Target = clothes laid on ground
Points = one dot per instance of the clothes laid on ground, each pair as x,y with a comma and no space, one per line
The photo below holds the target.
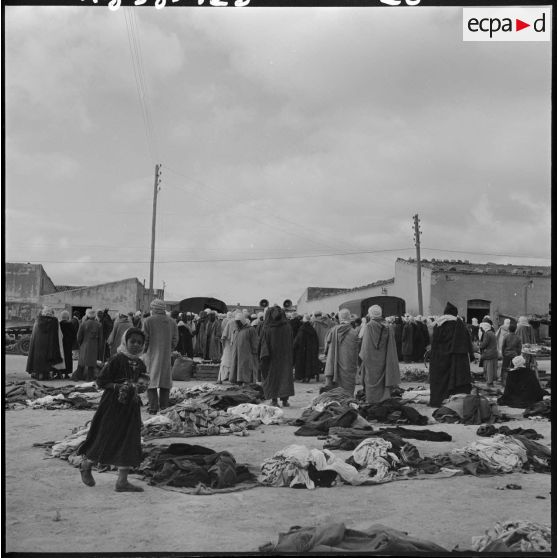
350,438
266,414
185,465
414,375
178,394
317,423
489,430
416,395
224,398
522,389
34,394
114,435
540,409
467,409
335,537
336,395
538,455
393,411
515,536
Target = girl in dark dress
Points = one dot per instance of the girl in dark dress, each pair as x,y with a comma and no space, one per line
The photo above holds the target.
114,435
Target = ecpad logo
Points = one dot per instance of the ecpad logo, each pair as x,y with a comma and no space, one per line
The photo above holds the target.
506,24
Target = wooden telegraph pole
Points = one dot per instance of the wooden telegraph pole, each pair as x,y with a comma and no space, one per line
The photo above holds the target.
153,223
419,272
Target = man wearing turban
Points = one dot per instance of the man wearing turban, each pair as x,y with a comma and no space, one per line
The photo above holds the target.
451,353
378,353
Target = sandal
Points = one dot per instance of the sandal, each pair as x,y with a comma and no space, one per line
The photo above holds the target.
127,487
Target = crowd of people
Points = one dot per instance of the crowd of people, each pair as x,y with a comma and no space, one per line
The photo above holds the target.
133,353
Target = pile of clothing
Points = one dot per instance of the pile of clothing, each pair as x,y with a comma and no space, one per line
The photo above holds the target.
231,396
335,396
416,395
265,414
515,536
178,394
489,430
414,375
374,461
194,418
349,438
33,394
66,449
395,411
191,466
540,410
468,409
336,538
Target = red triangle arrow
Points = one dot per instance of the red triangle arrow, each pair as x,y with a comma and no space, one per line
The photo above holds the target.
519,25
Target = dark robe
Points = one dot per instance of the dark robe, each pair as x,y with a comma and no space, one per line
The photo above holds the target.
276,355
69,339
511,347
244,352
114,436
322,325
90,339
201,336
295,324
342,356
306,350
75,324
407,341
420,341
44,347
450,356
212,347
522,389
185,345
398,333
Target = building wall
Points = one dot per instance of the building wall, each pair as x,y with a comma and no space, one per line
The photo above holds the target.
126,295
23,286
505,293
405,287
332,303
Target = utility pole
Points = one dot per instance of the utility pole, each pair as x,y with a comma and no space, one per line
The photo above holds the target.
153,222
419,272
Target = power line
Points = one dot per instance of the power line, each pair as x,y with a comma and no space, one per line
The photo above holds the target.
217,260
531,257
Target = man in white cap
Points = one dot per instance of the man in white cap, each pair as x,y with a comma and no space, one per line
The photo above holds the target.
378,353
161,338
342,354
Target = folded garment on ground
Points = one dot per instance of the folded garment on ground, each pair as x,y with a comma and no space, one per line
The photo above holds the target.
335,396
392,411
489,430
515,536
468,409
266,414
540,409
335,537
185,465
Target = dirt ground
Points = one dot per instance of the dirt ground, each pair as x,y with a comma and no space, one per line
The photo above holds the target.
49,509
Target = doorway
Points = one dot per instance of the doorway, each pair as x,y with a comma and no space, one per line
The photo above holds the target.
477,308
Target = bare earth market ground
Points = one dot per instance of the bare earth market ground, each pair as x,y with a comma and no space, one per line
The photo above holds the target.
49,509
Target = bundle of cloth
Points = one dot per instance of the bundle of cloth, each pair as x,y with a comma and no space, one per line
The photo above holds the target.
395,411
265,414
468,409
186,465
193,418
515,536
374,461
414,375
337,538
540,410
39,396
217,396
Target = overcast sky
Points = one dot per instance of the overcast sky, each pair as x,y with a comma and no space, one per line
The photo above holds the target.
281,132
